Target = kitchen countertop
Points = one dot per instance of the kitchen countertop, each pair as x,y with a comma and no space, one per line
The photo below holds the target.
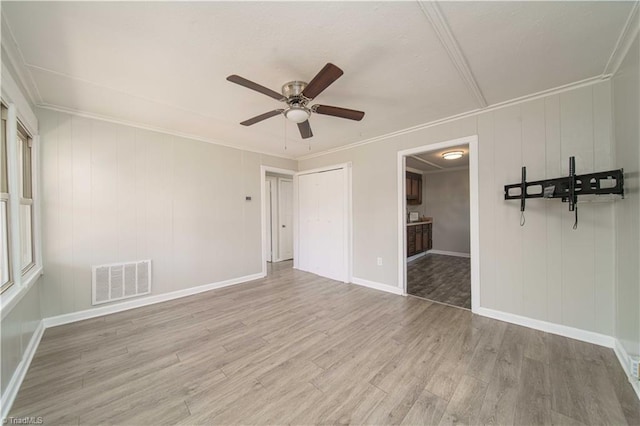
420,223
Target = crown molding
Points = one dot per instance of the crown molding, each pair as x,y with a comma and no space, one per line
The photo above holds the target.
85,114
432,11
99,117
16,59
624,42
113,89
544,93
12,93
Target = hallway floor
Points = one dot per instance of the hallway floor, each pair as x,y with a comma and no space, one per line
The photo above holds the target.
444,279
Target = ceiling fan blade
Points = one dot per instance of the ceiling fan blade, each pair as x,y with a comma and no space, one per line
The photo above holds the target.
350,114
261,117
305,129
322,80
255,86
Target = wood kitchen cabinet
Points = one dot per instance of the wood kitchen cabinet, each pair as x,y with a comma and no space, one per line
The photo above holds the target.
419,238
413,184
419,241
411,240
427,241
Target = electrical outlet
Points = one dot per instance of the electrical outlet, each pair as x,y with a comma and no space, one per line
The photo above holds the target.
379,261
635,373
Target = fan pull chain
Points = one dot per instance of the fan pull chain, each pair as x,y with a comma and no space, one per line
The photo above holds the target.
284,121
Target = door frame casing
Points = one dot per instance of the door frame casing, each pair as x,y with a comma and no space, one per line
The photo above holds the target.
268,211
263,213
474,222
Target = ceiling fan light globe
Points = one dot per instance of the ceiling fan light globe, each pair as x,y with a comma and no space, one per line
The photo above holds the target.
297,114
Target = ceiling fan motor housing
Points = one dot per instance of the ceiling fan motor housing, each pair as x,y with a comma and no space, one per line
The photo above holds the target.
297,111
293,89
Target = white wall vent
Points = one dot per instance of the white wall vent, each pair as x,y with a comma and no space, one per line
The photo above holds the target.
120,281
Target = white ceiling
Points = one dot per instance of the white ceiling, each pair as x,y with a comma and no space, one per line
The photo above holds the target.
164,64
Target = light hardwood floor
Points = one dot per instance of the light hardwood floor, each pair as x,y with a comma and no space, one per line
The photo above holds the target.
295,348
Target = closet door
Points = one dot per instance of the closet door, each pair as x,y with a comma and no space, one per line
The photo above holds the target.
308,207
322,224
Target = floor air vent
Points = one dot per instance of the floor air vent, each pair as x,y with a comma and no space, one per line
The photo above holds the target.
120,281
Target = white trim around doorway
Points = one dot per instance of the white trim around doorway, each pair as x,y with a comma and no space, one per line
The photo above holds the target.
263,208
472,141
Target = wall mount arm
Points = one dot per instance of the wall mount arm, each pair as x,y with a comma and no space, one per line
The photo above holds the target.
567,188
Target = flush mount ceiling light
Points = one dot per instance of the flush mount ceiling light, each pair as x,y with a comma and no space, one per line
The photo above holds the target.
452,155
297,114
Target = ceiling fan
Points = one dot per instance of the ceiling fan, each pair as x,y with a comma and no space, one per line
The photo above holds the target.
297,94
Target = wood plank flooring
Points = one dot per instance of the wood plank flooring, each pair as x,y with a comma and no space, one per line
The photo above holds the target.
444,279
295,348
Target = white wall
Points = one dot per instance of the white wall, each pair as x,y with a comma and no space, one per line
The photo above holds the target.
626,109
446,199
544,270
115,193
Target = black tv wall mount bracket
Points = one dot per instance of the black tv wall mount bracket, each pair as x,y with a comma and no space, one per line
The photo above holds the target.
566,188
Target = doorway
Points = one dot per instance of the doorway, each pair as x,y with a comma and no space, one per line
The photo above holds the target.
277,218
438,223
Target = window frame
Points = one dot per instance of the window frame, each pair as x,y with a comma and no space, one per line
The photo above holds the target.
20,110
24,143
5,197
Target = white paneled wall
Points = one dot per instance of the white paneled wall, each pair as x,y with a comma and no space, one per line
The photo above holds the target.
544,270
626,99
17,329
113,193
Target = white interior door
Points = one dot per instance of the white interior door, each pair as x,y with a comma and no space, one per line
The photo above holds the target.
285,215
322,224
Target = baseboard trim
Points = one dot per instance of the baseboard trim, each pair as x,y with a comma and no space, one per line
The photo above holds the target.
376,286
416,256
561,330
145,301
625,362
9,395
572,333
450,253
